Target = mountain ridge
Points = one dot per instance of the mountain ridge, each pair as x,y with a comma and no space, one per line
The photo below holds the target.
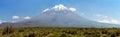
61,16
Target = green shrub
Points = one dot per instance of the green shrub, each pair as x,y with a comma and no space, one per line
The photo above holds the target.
8,30
30,35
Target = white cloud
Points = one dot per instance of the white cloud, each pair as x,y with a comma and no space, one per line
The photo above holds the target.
104,21
45,10
27,17
60,7
72,9
108,20
115,21
0,22
15,17
112,21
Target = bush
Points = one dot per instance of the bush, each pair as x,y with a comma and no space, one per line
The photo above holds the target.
64,35
21,30
30,35
8,30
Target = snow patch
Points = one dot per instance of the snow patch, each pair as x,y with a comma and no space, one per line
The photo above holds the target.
27,17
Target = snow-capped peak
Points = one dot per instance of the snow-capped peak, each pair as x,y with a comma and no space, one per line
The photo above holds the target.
60,7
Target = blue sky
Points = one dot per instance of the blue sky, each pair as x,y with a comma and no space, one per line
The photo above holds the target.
97,10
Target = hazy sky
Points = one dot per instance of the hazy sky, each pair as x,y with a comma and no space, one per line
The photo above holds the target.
98,10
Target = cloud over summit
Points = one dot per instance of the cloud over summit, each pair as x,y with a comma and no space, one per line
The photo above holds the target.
59,8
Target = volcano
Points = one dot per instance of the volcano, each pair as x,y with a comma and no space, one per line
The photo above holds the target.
61,16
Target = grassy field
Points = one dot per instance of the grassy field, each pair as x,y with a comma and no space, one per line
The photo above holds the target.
59,32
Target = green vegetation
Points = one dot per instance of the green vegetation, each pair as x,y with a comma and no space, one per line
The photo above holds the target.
58,32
